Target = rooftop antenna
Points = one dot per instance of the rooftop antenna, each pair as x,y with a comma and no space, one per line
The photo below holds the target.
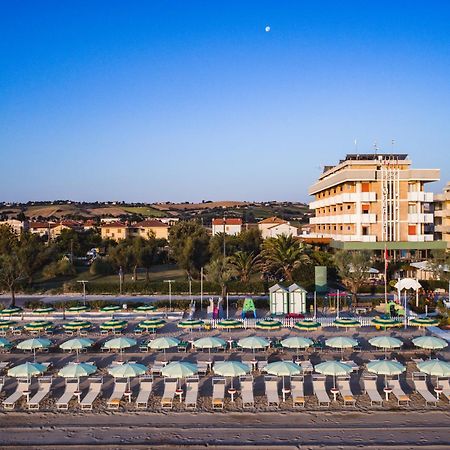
356,145
375,147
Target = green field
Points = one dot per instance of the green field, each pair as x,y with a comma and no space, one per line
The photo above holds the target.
144,211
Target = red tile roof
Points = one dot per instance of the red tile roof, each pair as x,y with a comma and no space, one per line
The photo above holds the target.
114,225
273,220
151,224
230,221
35,225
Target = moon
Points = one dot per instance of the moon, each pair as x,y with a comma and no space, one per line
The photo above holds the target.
267,29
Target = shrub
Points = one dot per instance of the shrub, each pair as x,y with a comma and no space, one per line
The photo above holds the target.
58,269
101,266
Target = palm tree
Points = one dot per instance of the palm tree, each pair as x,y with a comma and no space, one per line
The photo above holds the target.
219,271
353,269
244,265
284,254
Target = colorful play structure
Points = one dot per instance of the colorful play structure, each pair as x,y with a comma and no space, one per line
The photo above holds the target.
248,307
215,310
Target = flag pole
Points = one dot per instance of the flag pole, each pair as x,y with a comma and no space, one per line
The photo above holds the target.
385,274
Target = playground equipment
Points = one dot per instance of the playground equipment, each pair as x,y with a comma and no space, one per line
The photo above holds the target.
249,306
394,309
191,310
215,309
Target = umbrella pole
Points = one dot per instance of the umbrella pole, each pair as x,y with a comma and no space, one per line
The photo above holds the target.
284,392
34,354
76,350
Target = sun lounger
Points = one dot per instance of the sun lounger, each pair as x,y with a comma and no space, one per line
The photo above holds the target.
248,400
352,364
370,388
95,387
420,386
170,386
445,383
218,392
402,398
157,368
343,384
191,392
120,386
202,367
2,383
262,365
69,393
145,389
320,390
45,383
297,391
22,386
4,365
306,366
271,387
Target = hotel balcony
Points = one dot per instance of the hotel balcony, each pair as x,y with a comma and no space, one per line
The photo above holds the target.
344,218
420,238
442,228
344,198
442,213
420,197
420,218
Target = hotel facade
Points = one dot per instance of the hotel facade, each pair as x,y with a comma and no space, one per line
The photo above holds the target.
375,201
442,215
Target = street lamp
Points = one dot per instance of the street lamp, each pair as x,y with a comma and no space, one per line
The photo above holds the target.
170,292
84,289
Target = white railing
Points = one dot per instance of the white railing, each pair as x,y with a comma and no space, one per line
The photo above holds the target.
420,196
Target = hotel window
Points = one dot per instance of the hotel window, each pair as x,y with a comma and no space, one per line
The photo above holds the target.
412,230
412,208
107,231
365,187
348,228
341,228
341,208
365,231
334,209
349,206
119,231
365,209
334,228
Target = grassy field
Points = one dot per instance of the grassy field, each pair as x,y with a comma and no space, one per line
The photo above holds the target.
144,211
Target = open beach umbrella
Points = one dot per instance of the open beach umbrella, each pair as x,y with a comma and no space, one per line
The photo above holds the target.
111,309
253,343
114,324
43,311
268,324
11,311
34,344
127,370
38,325
76,344
341,342
307,325
163,343
179,369
229,324
345,322
145,308
231,369
283,369
5,324
152,324
191,324
424,322
385,322
77,325
435,367
77,370
296,342
120,343
79,309
430,343
385,367
334,368
27,370
209,342
385,342
4,343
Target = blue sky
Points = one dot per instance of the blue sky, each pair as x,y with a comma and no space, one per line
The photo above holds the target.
190,100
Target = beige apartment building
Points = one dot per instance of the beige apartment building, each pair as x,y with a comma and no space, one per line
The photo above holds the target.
115,231
375,201
442,215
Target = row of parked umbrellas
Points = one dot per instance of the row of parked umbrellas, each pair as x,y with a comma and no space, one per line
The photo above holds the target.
14,310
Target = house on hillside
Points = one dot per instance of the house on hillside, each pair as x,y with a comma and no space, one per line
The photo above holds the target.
115,231
151,226
18,226
230,226
42,229
274,227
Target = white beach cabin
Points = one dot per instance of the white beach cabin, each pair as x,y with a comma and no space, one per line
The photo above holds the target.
279,299
297,299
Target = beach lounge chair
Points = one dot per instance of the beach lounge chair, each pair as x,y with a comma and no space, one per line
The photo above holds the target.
343,384
320,390
2,383
191,392
248,400
95,388
68,394
271,387
402,398
352,364
157,368
297,391
22,386
170,386
45,383
120,386
420,386
262,365
145,389
370,388
306,366
202,367
218,392
445,383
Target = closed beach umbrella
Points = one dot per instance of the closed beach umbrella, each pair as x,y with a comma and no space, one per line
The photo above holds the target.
430,343
114,324
79,309
77,370
231,369
283,369
344,322
269,324
120,344
164,343
306,325
179,369
229,324
77,325
296,342
253,343
76,344
34,344
334,368
209,343
152,324
38,325
5,324
12,311
385,322
27,370
44,311
435,367
385,342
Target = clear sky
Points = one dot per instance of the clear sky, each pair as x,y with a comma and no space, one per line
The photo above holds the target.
190,100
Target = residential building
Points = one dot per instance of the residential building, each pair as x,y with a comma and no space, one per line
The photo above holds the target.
43,229
274,226
375,201
442,215
115,231
147,227
18,226
230,226
57,228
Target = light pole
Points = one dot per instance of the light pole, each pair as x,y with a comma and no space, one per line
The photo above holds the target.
170,292
201,289
120,280
84,289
